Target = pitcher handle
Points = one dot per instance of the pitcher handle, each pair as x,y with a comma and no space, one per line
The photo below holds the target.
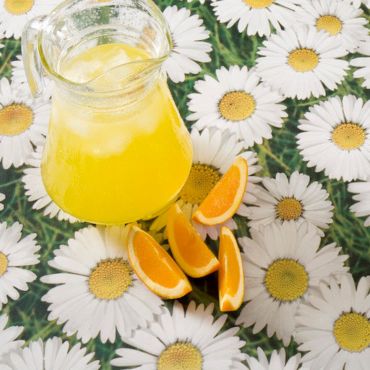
31,56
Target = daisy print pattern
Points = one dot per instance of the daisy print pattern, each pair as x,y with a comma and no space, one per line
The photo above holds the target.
301,62
362,63
291,199
36,192
188,339
237,101
214,151
335,138
97,292
334,326
277,361
255,16
361,196
14,14
15,254
23,123
8,337
2,198
338,18
283,264
54,354
189,45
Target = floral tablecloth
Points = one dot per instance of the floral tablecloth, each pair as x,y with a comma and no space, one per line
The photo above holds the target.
284,84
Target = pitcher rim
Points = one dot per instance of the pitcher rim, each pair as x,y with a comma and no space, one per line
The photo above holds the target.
83,87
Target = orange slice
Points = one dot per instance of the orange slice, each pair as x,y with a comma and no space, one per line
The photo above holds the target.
187,246
224,199
155,267
230,274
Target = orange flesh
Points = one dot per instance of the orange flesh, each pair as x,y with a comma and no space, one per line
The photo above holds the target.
230,274
190,243
156,262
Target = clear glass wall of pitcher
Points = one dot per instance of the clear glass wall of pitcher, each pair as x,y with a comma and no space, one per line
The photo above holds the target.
117,149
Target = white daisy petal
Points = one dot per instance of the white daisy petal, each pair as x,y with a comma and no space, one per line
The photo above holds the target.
361,207
8,337
301,62
255,17
237,102
15,14
283,266
36,192
188,339
97,292
23,123
51,355
14,252
338,143
339,18
292,199
342,338
189,48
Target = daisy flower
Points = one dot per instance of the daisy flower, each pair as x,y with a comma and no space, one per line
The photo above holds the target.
283,264
255,16
214,151
14,14
334,326
96,290
189,48
362,197
54,354
16,253
236,100
339,18
2,198
23,123
301,62
36,192
277,361
183,340
335,138
291,199
363,63
8,336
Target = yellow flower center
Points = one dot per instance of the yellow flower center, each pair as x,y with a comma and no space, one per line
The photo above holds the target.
201,180
303,60
15,119
180,356
349,136
289,209
237,106
330,24
18,7
259,4
352,332
110,279
3,263
286,280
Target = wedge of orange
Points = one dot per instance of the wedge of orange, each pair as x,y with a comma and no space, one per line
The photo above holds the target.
230,274
224,199
187,246
155,267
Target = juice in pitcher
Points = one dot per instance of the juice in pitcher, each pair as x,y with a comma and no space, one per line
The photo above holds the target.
117,150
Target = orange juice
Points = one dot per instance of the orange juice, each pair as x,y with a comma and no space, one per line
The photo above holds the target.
112,166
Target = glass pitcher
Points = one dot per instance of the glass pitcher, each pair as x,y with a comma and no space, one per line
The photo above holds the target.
117,150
